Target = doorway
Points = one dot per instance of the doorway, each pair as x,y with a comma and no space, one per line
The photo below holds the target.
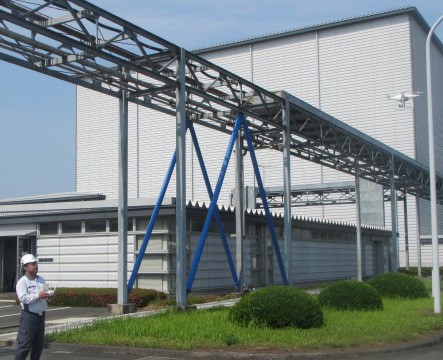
12,248
378,259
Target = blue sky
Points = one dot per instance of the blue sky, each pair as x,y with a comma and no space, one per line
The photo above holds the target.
37,113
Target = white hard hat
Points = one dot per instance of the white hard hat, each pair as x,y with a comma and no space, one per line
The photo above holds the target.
28,258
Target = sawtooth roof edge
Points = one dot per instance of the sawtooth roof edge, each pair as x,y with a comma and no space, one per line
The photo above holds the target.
103,205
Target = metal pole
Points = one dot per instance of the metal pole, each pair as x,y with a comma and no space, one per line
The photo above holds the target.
434,226
181,182
358,226
17,260
239,212
417,221
405,212
394,219
122,290
287,190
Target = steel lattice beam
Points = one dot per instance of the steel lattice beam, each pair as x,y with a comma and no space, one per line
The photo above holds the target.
78,42
318,194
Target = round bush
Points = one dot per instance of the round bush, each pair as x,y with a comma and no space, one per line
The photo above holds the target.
398,285
277,307
350,295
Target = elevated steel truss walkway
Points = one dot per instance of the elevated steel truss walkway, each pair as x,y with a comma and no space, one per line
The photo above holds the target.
78,42
333,193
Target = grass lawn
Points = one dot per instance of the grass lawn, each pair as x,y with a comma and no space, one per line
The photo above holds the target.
401,320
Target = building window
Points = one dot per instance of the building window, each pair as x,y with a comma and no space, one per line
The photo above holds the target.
72,227
95,226
113,225
49,228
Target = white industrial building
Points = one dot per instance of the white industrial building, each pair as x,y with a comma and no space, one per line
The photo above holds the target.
345,68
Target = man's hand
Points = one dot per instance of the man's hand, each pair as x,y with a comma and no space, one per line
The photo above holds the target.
43,295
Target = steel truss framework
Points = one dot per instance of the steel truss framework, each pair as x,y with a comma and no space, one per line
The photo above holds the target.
318,194
80,43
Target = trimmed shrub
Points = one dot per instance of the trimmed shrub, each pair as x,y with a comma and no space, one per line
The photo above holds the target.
101,297
277,307
350,295
425,271
398,285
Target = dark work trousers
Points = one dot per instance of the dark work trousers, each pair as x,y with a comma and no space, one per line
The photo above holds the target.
30,336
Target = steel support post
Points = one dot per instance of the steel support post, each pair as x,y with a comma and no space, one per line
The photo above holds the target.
181,182
405,212
123,200
394,219
358,227
17,260
417,221
239,212
286,135
433,194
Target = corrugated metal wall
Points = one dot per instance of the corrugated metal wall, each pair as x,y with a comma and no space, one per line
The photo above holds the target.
345,71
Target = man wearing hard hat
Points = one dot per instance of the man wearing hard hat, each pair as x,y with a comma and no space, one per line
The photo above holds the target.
32,292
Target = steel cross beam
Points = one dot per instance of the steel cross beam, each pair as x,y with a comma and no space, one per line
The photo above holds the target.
78,42
318,194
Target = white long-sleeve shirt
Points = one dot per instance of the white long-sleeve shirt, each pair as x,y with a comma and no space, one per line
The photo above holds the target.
27,292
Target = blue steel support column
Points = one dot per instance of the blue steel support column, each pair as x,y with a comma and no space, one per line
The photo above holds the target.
287,189
358,226
151,224
394,219
213,204
417,231
181,182
239,211
122,291
405,212
265,203
217,213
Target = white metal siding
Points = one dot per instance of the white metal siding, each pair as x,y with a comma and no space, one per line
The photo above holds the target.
82,261
346,71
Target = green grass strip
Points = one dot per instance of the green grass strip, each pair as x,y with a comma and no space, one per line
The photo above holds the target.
401,320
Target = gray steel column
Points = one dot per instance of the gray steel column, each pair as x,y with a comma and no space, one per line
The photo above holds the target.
17,261
394,219
358,226
239,212
265,254
433,192
287,190
123,200
405,212
417,221
180,172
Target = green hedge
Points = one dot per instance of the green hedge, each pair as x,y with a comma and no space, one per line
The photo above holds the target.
398,285
101,297
425,271
277,307
350,295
